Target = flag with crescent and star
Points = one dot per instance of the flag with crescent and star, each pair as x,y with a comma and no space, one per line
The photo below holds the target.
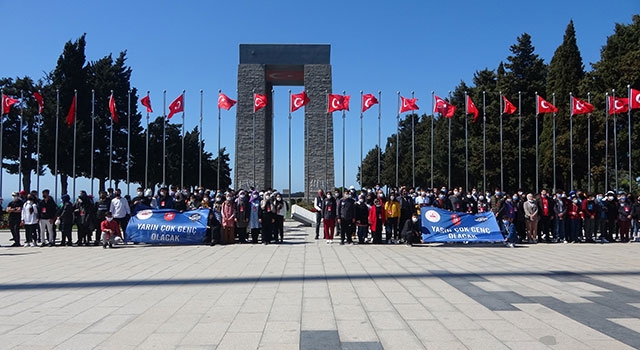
635,99
176,106
71,116
509,107
618,105
443,107
368,100
146,101
298,100
113,109
545,107
225,102
471,108
580,107
7,102
40,101
338,103
408,104
259,102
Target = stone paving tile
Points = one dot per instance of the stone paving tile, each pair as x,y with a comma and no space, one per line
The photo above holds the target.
282,296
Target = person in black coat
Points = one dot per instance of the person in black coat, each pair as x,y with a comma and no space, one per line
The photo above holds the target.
411,230
362,219
347,218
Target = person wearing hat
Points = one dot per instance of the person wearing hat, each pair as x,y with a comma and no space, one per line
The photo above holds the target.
14,208
611,209
65,215
110,231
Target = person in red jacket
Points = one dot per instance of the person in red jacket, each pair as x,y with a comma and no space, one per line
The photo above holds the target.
110,230
377,219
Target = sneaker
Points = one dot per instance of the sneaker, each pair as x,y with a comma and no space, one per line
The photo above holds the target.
511,245
603,240
327,241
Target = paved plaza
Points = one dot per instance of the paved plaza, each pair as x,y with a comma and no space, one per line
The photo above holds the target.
306,294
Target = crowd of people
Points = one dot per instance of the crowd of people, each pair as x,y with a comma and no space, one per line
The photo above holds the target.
249,216
574,217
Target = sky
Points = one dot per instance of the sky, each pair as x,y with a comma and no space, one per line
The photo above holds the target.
410,46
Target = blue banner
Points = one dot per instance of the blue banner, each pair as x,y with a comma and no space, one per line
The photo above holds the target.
168,226
440,225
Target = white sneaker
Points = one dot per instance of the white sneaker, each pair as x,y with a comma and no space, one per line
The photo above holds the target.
27,244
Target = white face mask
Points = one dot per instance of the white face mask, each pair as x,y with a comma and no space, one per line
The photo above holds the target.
109,219
414,219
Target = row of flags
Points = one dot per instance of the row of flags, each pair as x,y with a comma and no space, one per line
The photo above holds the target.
336,102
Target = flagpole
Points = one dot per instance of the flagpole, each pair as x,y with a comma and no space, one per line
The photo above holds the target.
93,110
379,118
606,143
200,148
110,146
128,141
38,148
615,140
182,155
344,138
75,122
55,156
501,148
629,124
553,98
484,141
449,182
466,140
326,142
289,120
397,137
571,137
253,136
589,145
146,156
433,115
537,164
519,139
219,118
20,141
361,159
164,137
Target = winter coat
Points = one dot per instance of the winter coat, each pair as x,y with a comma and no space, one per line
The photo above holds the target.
256,214
375,216
228,214
30,213
329,209
392,209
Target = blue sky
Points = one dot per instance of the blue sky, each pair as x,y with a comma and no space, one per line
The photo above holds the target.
375,45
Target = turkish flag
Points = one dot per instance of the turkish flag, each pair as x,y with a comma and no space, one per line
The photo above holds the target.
112,109
40,101
509,108
635,99
408,104
176,106
471,108
225,102
7,102
298,100
71,116
338,103
146,101
368,100
259,102
444,108
545,107
618,105
580,107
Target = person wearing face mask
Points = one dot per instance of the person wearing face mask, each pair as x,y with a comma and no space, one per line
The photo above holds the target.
102,207
545,208
377,218
590,213
255,217
362,219
164,200
573,212
228,220
470,204
482,205
624,218
242,216
281,211
85,215
510,210
317,205
65,215
110,231
347,218
560,210
47,209
30,220
532,217
14,208
268,219
411,230
138,198
611,209
392,214
329,217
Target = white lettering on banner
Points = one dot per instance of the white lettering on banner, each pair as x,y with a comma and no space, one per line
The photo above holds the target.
165,237
438,229
462,236
148,227
187,229
167,228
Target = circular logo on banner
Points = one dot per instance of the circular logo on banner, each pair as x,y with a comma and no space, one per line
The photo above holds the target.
195,217
432,216
144,214
455,219
169,216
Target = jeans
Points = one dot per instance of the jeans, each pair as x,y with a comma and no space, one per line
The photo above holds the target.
391,228
510,229
362,233
560,226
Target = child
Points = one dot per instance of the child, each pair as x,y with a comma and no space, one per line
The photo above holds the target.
110,231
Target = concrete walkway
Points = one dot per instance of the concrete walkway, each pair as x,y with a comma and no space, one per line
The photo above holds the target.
306,294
